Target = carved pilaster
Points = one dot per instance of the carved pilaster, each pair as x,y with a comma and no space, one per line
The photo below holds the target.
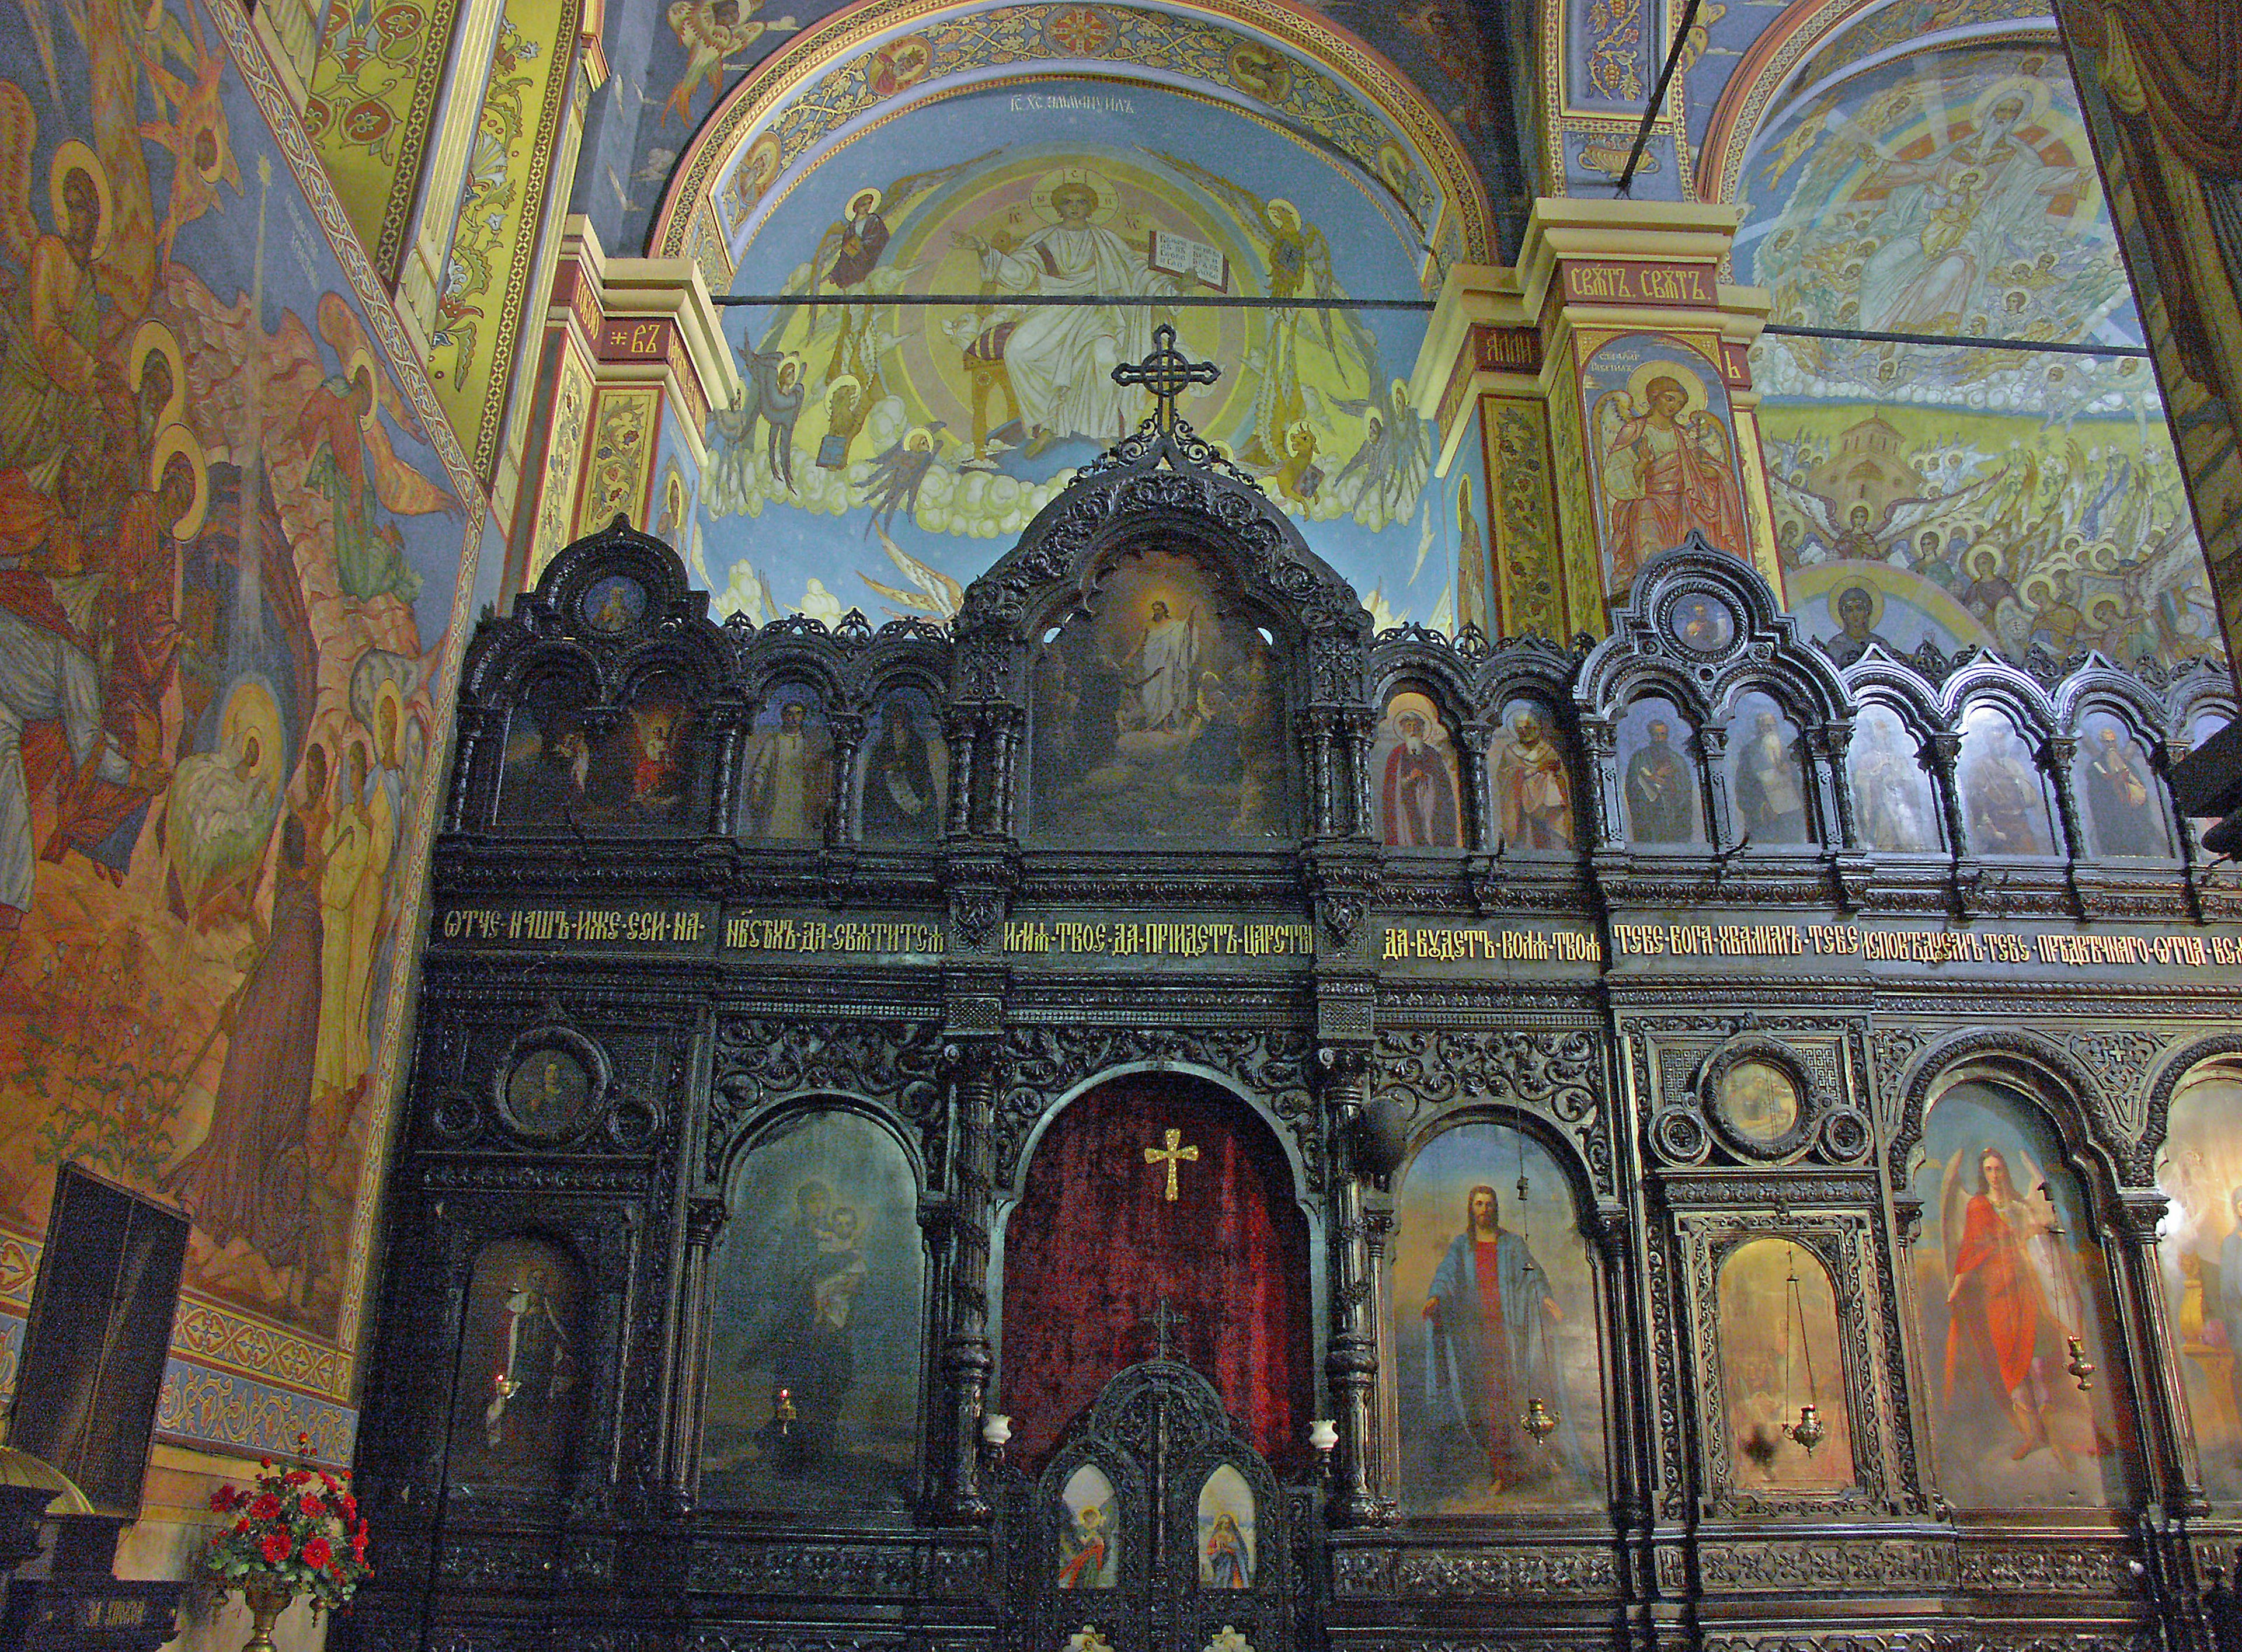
1826,742
1471,743
1599,737
2056,758
1941,752
1359,731
1351,1364
848,728
2158,1399
1721,825
966,1361
704,1225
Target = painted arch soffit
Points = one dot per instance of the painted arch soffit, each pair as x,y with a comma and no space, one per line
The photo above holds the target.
1812,44
1266,58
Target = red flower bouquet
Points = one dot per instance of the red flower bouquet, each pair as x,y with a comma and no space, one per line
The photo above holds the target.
297,1531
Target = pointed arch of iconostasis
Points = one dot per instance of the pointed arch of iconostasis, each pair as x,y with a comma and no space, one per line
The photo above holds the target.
612,653
1479,690
1164,492
1809,47
850,69
613,613
1701,630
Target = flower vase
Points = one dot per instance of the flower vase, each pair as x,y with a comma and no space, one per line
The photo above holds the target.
264,1604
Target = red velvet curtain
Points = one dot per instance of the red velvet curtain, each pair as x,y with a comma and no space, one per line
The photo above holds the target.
1095,1243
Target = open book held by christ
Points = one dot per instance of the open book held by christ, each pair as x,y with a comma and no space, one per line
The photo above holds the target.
1173,254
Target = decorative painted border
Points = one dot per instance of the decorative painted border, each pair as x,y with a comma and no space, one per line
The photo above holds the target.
199,1408
12,1327
203,1408
814,62
513,310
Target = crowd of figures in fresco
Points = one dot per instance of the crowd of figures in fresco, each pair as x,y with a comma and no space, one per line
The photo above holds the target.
229,550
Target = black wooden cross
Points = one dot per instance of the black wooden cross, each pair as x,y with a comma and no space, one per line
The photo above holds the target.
1166,374
1165,1321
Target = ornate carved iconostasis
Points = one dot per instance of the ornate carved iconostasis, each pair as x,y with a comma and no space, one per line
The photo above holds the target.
916,1137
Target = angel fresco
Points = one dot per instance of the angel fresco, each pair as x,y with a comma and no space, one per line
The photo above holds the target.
1298,267
1668,471
1870,531
1381,481
933,593
848,255
713,32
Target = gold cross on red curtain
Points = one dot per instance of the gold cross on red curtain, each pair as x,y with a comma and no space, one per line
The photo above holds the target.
1172,1154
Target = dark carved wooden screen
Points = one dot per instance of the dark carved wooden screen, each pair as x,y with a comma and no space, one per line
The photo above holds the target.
1192,1539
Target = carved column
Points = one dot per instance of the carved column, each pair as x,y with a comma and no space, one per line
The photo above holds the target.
848,728
1351,1363
729,720
1908,1405
2150,1363
1381,1472
2056,759
1359,732
1315,732
960,733
2160,1398
1940,755
704,1223
965,1356
1003,807
465,755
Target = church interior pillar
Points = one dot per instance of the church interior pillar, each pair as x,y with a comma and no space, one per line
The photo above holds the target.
632,356
1648,383
1600,396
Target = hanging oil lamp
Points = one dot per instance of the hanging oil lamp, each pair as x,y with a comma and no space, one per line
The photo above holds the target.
2080,1366
1809,1430
1539,1419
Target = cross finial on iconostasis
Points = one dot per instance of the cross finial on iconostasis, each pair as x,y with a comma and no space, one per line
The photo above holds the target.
1166,1322
1166,374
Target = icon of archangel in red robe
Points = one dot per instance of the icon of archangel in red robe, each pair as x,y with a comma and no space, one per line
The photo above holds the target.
1666,471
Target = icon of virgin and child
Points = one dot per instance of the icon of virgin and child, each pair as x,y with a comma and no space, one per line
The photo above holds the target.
1158,715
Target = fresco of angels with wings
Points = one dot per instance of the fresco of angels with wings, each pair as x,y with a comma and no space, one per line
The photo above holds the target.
930,425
